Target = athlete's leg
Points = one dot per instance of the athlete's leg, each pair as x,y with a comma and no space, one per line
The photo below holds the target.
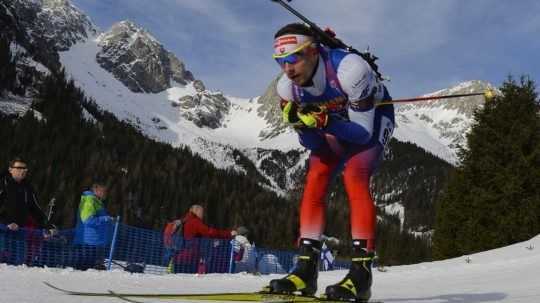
358,170
312,210
304,277
357,283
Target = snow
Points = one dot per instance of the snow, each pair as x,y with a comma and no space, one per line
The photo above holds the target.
16,105
396,209
20,52
508,274
421,125
242,125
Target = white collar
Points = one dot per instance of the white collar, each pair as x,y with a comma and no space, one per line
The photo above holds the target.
319,80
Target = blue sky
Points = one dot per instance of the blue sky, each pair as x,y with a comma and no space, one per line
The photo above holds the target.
424,45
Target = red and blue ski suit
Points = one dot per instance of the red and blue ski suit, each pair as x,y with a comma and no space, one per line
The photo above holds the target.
353,140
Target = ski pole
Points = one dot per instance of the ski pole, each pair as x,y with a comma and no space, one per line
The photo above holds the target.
333,42
488,95
113,242
51,209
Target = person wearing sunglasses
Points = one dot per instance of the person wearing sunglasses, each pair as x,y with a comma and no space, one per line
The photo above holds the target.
329,97
19,205
19,209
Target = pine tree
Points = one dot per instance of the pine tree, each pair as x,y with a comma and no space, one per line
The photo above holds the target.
493,199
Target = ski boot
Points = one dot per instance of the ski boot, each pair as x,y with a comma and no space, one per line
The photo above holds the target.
356,286
303,279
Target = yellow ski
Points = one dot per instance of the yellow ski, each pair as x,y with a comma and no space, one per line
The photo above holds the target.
230,297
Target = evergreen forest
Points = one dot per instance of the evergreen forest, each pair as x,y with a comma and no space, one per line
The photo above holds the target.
493,198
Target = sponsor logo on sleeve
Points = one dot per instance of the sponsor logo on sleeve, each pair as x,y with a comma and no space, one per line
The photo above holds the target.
360,81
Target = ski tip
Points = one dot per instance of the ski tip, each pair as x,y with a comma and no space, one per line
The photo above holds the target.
52,286
48,284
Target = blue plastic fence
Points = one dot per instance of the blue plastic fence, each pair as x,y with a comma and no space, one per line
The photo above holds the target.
142,250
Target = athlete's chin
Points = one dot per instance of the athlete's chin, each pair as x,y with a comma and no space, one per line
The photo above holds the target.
297,80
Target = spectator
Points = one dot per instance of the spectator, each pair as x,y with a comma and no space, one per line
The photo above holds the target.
331,242
189,258
171,244
19,208
327,258
241,244
92,232
194,226
242,250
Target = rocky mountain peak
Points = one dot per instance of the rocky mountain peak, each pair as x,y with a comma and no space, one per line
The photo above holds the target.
204,109
63,23
448,119
44,27
271,112
56,3
129,31
138,60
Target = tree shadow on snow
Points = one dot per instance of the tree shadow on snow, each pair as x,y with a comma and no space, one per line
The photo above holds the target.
454,298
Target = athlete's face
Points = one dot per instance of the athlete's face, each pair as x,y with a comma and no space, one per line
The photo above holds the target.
301,71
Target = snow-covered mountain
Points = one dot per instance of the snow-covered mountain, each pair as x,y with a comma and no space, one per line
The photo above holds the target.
131,74
212,124
138,60
440,126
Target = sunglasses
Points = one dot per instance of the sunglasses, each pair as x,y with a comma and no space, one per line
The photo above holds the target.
291,57
20,167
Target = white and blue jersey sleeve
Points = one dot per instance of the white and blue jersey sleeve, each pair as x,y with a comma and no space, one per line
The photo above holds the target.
359,82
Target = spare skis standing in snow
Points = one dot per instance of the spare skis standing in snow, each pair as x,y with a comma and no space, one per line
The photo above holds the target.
333,42
238,297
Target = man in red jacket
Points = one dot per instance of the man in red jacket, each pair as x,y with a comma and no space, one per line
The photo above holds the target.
194,226
190,259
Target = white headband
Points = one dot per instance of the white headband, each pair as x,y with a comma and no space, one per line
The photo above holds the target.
288,43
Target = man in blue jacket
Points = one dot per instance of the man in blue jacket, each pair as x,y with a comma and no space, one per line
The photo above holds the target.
93,230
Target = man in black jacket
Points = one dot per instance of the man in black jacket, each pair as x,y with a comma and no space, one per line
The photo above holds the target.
19,208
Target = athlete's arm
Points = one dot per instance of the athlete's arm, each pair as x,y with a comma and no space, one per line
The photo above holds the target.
358,81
